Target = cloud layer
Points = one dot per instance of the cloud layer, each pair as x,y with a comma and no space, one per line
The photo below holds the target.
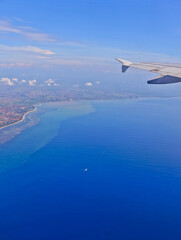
29,33
89,84
32,82
26,49
7,81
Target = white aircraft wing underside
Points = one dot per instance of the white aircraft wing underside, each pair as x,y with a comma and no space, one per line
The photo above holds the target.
169,73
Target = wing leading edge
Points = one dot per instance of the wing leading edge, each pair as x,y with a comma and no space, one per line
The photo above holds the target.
168,73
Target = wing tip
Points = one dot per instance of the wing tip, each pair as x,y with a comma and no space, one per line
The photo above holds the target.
125,64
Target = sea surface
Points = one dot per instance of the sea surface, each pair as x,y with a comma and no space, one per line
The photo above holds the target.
94,170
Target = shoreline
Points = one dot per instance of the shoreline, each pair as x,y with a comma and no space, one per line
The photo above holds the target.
23,118
35,107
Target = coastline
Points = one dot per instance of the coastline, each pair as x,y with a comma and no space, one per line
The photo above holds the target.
23,118
62,111
35,107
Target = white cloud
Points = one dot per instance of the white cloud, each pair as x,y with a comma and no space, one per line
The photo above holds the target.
50,82
32,82
98,82
42,57
26,49
28,32
11,65
34,36
7,81
14,79
88,84
5,26
23,81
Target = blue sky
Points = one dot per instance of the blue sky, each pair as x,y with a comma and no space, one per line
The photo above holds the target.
83,37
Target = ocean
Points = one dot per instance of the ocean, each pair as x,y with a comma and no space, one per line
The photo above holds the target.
94,170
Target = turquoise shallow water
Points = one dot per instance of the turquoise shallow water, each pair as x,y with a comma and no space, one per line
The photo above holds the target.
132,186
51,115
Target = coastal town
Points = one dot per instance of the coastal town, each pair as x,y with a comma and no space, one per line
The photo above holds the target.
22,100
12,114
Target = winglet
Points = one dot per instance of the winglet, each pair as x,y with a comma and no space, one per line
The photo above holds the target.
125,64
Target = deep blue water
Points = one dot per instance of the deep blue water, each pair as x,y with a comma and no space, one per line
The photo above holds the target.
132,186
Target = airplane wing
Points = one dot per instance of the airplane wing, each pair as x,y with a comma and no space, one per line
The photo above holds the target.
169,73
